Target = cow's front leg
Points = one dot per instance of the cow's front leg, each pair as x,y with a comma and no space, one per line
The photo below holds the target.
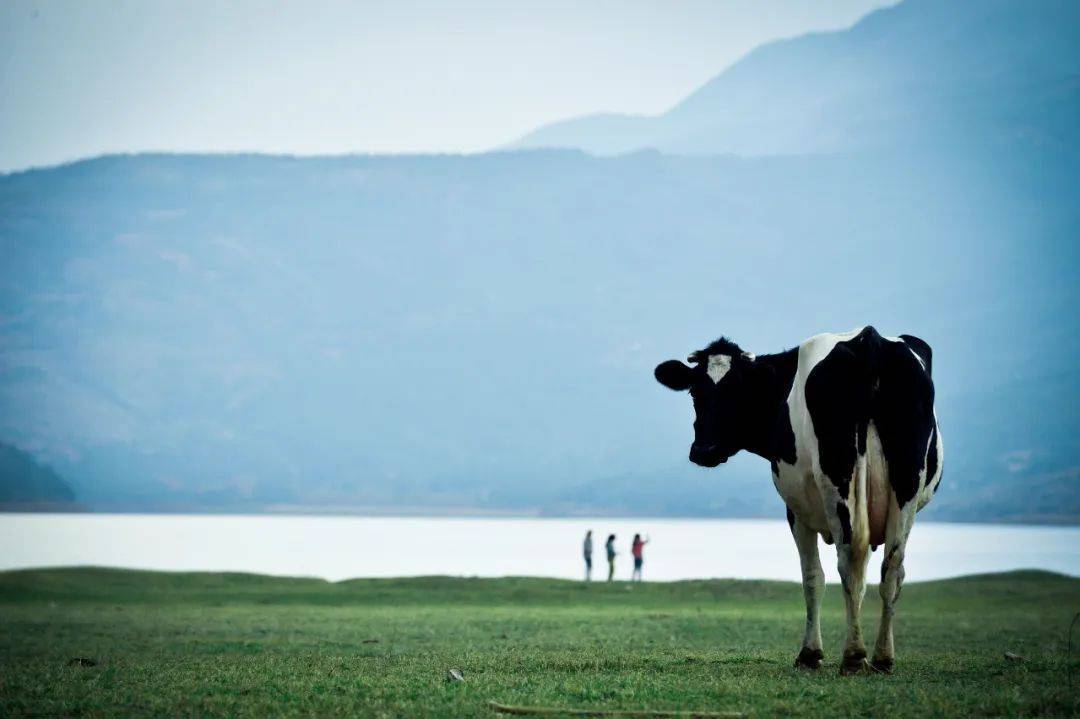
813,582
897,530
851,556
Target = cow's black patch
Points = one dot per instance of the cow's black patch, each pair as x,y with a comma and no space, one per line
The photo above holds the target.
922,349
776,375
871,379
782,368
837,397
845,522
932,456
790,518
903,412
783,436
771,379
885,563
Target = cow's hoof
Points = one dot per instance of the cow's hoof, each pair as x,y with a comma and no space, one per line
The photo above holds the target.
854,663
883,666
809,659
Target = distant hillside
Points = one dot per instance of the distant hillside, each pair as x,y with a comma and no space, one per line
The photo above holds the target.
25,484
478,333
185,332
924,73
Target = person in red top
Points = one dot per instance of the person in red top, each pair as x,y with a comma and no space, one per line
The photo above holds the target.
636,548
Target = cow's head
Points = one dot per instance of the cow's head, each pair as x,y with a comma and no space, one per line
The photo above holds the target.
721,380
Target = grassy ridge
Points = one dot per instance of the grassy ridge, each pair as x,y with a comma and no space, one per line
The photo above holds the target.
233,644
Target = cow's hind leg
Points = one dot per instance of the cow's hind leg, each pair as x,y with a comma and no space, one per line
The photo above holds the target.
838,400
897,530
813,580
852,552
904,416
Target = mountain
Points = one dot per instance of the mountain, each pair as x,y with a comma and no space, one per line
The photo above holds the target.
249,332
923,73
27,485
444,333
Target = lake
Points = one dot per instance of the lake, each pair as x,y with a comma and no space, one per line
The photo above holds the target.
341,547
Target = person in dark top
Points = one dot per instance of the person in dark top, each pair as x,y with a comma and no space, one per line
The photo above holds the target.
587,551
636,548
610,547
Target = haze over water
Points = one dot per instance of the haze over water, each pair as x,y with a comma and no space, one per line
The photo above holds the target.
336,548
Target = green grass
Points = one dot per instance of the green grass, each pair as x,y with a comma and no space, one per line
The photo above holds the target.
243,645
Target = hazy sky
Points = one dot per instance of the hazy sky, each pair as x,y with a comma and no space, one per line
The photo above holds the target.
87,77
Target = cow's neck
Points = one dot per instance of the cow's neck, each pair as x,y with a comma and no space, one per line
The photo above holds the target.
770,398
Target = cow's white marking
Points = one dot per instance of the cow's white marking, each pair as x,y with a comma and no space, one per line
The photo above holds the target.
929,484
878,489
801,484
719,365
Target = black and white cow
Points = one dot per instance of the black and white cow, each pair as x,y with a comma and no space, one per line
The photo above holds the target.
847,423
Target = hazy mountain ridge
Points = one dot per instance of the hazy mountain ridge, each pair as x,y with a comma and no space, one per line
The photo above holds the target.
26,485
245,332
926,73
239,332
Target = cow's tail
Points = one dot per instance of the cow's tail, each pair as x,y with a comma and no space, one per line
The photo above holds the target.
860,519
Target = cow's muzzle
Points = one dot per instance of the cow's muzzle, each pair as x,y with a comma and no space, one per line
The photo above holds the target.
707,455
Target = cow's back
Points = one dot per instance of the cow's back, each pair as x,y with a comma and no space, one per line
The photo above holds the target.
861,395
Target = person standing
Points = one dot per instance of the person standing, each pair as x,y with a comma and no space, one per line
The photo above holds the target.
587,550
610,547
637,549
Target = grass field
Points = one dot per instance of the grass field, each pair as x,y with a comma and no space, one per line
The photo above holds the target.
243,645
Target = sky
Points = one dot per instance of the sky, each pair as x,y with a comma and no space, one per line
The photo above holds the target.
79,79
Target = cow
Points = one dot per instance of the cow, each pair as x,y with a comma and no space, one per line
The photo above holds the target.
847,423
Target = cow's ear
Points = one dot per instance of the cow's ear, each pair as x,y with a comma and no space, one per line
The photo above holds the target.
673,374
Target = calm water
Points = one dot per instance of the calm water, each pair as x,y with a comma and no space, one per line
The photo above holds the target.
341,547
